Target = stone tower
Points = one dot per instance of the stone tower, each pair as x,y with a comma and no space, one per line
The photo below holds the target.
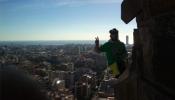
151,72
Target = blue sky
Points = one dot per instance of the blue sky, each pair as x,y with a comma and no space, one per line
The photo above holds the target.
61,20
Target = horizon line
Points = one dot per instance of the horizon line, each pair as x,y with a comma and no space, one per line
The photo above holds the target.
50,40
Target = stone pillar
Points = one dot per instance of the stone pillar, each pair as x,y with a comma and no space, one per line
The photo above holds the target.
136,66
153,55
158,39
128,89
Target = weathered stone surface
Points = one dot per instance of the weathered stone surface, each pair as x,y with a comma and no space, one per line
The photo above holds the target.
146,9
153,50
163,33
157,7
128,89
158,40
130,9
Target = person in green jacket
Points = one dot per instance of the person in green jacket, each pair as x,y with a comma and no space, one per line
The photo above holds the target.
115,51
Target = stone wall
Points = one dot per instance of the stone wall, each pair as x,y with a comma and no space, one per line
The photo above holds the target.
158,40
152,74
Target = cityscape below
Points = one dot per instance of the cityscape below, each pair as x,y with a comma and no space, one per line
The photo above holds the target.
66,70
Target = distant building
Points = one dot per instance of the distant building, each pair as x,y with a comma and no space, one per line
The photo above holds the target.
127,40
83,90
84,87
105,89
63,75
70,67
59,84
69,80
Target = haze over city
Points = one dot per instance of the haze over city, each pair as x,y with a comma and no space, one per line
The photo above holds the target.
62,20
49,49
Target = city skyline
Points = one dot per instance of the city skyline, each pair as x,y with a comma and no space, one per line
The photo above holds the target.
62,20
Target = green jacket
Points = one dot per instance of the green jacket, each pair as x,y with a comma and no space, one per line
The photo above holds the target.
115,51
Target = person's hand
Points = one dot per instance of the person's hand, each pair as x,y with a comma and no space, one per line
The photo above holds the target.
96,40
